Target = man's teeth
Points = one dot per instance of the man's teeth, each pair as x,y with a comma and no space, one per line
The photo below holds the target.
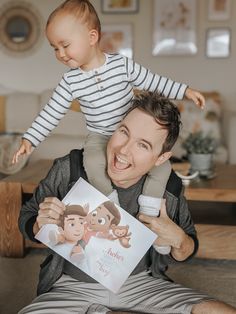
122,161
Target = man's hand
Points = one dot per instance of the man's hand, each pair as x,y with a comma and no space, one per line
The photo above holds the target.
49,212
170,234
24,149
196,97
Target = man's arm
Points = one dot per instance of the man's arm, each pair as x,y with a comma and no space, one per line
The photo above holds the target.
179,236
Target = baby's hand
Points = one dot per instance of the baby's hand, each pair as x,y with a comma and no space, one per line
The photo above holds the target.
25,148
196,97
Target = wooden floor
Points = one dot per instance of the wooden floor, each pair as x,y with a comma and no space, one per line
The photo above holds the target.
216,226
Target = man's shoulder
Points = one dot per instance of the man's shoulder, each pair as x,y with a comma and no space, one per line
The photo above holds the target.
70,165
174,184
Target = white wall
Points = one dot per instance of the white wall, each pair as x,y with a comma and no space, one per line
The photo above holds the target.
41,71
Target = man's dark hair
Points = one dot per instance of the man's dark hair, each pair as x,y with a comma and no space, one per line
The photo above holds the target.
163,111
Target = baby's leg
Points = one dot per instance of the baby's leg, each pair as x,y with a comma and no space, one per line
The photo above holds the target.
156,181
153,191
95,162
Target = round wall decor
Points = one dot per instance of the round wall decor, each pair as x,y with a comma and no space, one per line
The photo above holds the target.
20,27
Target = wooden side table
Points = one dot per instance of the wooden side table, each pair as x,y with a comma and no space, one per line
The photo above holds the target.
216,241
12,189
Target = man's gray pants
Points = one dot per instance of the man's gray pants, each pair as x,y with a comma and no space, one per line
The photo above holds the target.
140,293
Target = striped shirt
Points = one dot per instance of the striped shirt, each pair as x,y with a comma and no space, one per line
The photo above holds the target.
104,95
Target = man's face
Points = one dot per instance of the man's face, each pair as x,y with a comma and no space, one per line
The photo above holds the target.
73,228
100,219
134,148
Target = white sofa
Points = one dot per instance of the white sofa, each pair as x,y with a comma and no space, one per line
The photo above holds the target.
21,108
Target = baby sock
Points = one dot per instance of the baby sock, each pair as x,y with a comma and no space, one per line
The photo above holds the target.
150,206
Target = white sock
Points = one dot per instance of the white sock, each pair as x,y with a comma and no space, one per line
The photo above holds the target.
149,205
164,250
114,197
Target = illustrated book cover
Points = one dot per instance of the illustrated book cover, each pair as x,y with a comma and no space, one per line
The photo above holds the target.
98,236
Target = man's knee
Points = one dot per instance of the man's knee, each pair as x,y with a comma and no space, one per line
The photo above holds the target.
213,307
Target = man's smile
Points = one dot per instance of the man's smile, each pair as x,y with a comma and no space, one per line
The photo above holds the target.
120,163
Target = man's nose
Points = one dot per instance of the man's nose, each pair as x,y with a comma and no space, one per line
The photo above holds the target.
125,147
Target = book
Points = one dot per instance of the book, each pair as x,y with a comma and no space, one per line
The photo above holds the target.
98,236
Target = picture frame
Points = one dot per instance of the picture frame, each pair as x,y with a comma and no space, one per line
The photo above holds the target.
117,38
120,6
219,10
218,41
174,25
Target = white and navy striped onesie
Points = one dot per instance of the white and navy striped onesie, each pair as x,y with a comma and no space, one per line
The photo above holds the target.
104,94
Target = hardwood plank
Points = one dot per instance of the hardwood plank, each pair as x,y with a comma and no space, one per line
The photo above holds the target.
216,241
222,188
11,240
211,195
2,114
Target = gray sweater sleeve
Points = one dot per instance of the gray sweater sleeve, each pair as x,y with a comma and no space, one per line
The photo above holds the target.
54,185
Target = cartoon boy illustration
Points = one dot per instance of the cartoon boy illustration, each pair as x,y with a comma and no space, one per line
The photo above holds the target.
71,230
99,222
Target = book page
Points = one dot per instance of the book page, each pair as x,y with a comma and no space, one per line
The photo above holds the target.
98,236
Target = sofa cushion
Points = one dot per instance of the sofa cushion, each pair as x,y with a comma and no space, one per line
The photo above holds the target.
21,109
57,145
9,143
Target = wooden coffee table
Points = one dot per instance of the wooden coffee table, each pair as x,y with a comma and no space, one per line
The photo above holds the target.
215,241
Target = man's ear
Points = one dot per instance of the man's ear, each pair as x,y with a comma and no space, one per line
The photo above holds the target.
93,35
162,158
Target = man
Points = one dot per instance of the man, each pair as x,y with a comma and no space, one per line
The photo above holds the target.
143,139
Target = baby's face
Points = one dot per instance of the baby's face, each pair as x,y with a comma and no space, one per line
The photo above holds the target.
99,219
70,39
73,228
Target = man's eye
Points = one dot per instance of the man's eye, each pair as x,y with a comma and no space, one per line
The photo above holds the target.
71,225
65,46
143,146
94,214
56,49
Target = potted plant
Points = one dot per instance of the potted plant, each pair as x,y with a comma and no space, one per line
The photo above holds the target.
200,148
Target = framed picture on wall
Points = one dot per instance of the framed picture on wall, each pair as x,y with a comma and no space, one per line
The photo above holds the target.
117,38
174,27
120,6
218,42
219,10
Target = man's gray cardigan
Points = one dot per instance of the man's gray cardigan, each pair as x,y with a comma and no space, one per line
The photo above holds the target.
58,182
